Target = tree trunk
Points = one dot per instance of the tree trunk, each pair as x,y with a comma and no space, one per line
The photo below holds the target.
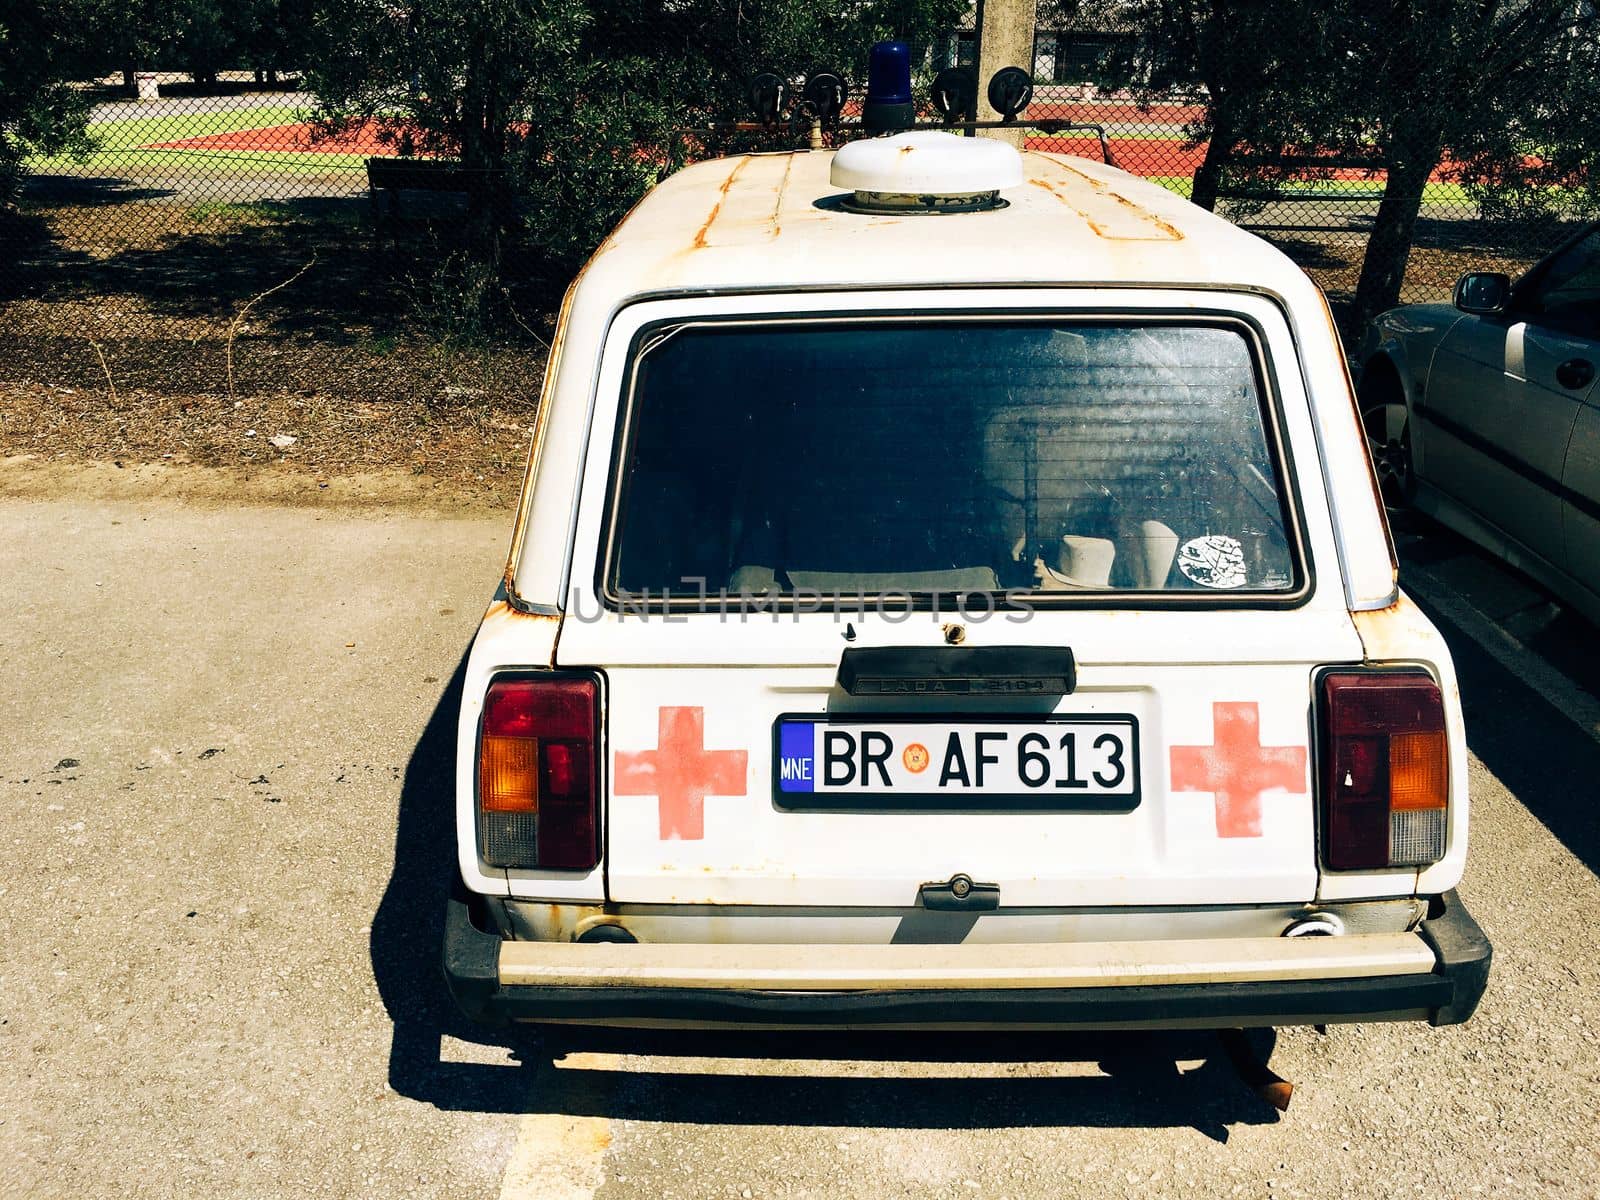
1224,124
1411,157
129,82
484,169
1208,176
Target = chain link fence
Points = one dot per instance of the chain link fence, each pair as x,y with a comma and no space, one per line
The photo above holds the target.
218,242
1317,203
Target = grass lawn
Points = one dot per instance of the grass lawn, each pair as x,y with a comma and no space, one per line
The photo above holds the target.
120,145
1433,193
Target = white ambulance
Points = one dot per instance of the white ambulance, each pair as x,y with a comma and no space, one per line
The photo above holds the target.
950,590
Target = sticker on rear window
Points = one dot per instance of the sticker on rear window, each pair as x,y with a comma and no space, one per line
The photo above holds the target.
1213,561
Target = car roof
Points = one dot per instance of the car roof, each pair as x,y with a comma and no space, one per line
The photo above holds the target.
772,221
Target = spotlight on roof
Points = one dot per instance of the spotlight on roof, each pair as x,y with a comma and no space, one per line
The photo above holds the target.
824,94
1010,90
955,94
768,93
888,105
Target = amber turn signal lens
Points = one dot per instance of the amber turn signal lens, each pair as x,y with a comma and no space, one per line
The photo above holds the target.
1419,774
508,774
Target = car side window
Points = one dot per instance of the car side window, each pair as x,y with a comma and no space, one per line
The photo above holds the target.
1568,290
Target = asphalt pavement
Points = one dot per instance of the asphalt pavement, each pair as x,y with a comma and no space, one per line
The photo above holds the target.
224,764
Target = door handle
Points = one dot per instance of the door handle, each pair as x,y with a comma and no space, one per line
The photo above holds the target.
1575,373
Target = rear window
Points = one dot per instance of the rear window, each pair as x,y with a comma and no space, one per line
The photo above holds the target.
873,459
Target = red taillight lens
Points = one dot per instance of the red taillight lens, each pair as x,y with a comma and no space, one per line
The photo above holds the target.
1385,770
537,791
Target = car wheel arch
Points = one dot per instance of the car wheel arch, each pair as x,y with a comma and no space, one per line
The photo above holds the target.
1384,386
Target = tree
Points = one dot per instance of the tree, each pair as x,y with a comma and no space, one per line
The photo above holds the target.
272,35
571,105
40,111
1503,91
1498,94
206,36
1264,68
703,51
124,35
478,80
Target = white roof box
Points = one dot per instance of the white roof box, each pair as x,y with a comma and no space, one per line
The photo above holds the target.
926,172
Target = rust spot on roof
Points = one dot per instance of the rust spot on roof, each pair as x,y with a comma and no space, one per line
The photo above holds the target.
1141,215
699,242
727,185
777,199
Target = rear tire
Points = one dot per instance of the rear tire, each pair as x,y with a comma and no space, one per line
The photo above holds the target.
1387,427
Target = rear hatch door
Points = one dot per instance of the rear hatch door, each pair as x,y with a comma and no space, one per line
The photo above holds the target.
1030,597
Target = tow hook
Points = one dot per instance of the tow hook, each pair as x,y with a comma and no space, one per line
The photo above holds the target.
1253,1070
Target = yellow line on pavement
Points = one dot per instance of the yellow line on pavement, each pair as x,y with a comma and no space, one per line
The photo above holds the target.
559,1155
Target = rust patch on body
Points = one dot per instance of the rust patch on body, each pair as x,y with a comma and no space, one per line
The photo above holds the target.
504,610
543,921
1399,632
777,199
699,242
1169,232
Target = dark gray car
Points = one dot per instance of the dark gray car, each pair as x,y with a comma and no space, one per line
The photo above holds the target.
1485,414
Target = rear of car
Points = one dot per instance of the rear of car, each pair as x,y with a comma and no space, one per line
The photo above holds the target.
956,656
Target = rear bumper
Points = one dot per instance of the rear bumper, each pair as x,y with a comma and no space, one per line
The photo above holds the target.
1436,973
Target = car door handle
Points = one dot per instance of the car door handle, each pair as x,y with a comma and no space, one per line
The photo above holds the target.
1575,373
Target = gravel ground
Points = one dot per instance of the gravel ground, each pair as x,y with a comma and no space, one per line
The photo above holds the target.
225,777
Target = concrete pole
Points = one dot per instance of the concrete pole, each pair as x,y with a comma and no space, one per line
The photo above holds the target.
1005,39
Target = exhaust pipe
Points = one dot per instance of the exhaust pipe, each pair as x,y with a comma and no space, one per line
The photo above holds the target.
1316,924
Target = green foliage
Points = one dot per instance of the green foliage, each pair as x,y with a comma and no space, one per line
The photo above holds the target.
40,112
1531,155
1501,93
702,52
456,304
565,111
1265,69
227,212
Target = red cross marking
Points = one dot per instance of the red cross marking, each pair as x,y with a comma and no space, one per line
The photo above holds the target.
682,773
1238,769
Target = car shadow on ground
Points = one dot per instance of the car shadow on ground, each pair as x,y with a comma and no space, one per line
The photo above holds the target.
902,1080
791,1078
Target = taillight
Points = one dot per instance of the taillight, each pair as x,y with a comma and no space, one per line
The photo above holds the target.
1385,770
537,788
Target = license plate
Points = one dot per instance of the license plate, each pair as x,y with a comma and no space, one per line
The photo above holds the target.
1055,763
